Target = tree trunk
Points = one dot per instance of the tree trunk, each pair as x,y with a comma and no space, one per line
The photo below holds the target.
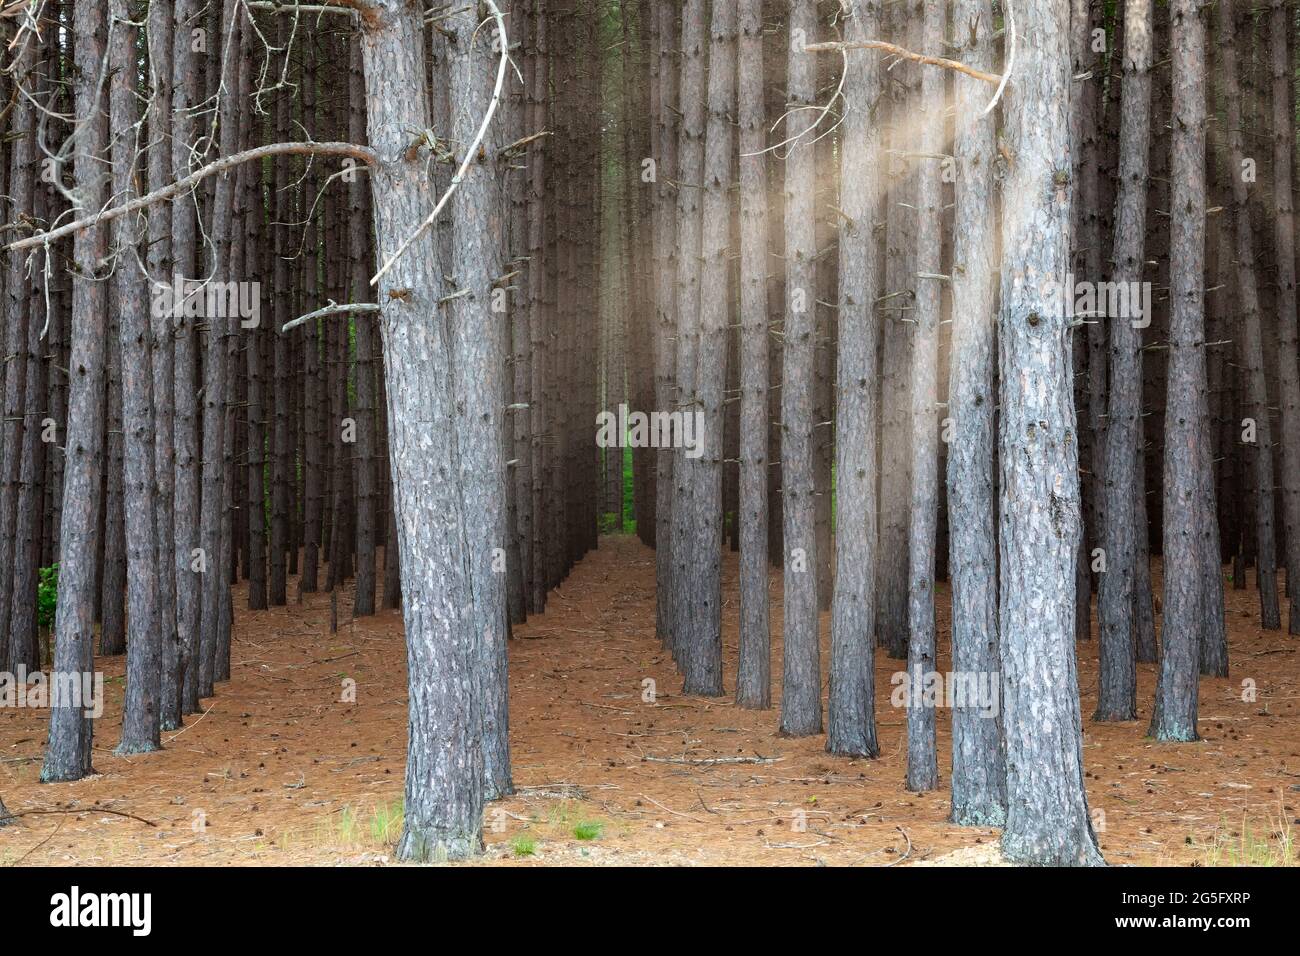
801,711
1252,345
1187,457
20,371
68,753
701,584
666,319
478,368
1281,25
140,713
922,760
978,754
181,681
444,775
851,711
754,675
1116,605
1047,808
686,627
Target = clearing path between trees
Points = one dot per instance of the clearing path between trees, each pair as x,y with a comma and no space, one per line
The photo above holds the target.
284,768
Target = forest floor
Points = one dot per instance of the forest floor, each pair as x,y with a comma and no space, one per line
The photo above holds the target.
279,770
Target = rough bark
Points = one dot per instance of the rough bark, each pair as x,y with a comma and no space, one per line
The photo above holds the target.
701,585
1281,26
1047,808
851,710
922,758
801,711
754,674
140,712
1116,606
1187,457
978,754
478,368
68,753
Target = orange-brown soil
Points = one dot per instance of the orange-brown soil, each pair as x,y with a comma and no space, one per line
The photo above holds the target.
280,770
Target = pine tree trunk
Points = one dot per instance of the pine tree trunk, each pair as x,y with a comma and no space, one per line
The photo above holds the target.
1281,25
140,713
181,679
1187,457
68,753
922,759
444,776
978,753
801,711
686,627
898,298
362,265
665,245
851,711
18,367
1252,344
1047,808
478,366
1116,604
754,674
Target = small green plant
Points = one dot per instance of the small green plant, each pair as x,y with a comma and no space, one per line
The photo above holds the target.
47,596
524,845
1251,847
589,830
380,828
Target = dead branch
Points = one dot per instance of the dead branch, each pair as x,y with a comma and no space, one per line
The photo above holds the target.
363,153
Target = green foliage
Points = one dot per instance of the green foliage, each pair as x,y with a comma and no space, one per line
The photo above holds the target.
47,596
1248,847
589,830
524,845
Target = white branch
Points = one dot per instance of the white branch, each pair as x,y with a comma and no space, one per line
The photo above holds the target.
469,153
363,153
333,308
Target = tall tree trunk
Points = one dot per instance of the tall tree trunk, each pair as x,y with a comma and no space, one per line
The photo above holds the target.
1281,25
1116,604
690,181
362,262
754,675
666,318
898,297
1187,457
978,753
478,368
801,697
1047,808
701,585
216,574
444,774
851,710
922,759
19,368
67,755
181,683
1252,344
140,713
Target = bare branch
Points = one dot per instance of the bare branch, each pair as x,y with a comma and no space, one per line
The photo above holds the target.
363,153
332,308
839,45
469,153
